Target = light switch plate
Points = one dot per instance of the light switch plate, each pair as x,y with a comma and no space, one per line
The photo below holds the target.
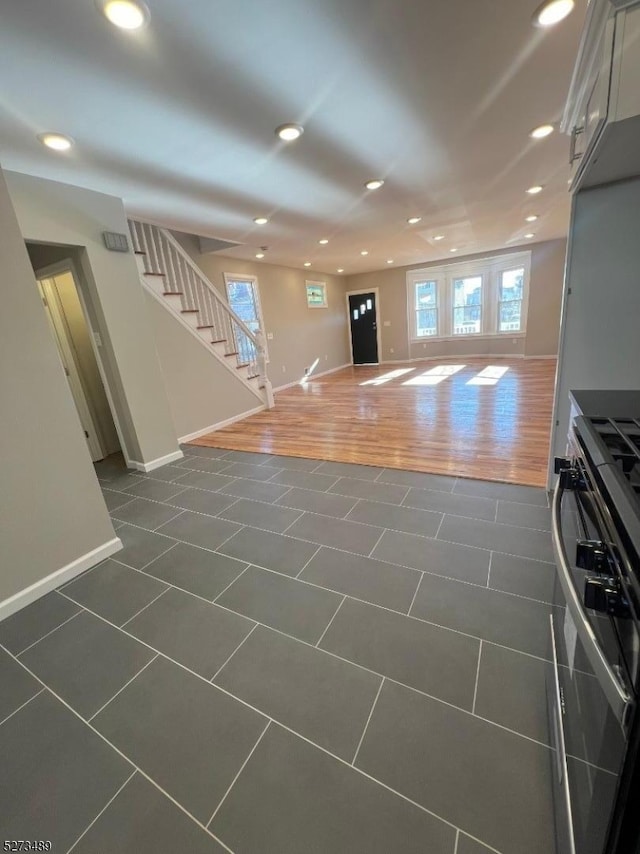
386,323
269,336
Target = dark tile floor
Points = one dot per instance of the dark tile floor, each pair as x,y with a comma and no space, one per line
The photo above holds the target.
288,656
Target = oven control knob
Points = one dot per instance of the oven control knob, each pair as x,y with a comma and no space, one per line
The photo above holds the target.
591,555
560,464
603,594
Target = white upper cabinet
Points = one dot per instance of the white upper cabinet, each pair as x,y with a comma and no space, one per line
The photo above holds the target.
602,115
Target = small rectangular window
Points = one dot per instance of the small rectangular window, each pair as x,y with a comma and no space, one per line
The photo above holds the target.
510,300
426,306
467,305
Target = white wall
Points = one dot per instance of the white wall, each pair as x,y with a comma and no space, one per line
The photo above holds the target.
600,339
52,515
202,392
51,212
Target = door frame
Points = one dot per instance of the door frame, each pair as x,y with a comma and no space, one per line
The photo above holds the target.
375,291
67,265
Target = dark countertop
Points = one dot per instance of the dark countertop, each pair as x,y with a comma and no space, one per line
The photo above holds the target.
607,403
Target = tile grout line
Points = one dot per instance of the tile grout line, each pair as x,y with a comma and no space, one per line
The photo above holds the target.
440,526
26,703
224,664
368,721
306,565
363,524
224,590
297,519
415,594
117,749
242,767
126,685
269,720
455,847
475,690
384,531
356,599
64,623
340,658
155,599
104,809
489,569
318,642
452,491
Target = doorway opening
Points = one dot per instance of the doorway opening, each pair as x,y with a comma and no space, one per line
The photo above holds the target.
363,326
78,349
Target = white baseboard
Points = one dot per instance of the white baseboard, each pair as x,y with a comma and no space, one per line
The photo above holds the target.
314,376
542,357
160,461
60,576
454,356
220,424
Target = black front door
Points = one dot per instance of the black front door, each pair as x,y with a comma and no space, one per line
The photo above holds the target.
364,325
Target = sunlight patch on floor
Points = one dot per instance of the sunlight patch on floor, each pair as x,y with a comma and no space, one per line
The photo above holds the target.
434,376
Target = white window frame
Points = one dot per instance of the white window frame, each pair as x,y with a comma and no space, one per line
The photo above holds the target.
491,269
246,277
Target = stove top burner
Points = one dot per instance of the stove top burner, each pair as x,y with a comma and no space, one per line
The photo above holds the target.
621,436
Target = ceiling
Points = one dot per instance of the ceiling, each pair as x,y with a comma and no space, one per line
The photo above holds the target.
178,119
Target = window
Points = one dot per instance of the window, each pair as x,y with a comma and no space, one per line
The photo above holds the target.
486,297
467,306
426,307
242,293
510,300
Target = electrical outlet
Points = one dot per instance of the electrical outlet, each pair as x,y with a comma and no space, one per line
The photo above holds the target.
269,336
325,357
391,350
284,370
386,323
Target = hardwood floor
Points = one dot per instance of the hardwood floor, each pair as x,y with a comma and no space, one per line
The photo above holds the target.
433,416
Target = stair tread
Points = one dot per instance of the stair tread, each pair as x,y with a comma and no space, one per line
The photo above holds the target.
220,341
206,326
189,311
149,273
234,353
138,252
171,293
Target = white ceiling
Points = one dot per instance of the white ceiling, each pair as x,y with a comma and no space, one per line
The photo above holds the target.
436,97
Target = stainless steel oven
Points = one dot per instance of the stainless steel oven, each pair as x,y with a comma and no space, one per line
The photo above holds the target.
594,637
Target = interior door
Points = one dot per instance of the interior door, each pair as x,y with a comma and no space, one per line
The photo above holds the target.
59,332
364,328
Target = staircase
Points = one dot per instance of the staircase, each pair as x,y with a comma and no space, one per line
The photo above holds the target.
173,278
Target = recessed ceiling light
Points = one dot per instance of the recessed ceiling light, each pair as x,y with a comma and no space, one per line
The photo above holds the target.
374,184
453,250
552,12
307,263
341,269
533,191
260,255
365,252
439,237
414,219
323,242
390,261
260,220
531,218
530,235
126,14
541,131
289,132
57,141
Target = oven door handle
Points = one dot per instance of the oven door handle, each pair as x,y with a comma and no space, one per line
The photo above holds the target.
615,692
